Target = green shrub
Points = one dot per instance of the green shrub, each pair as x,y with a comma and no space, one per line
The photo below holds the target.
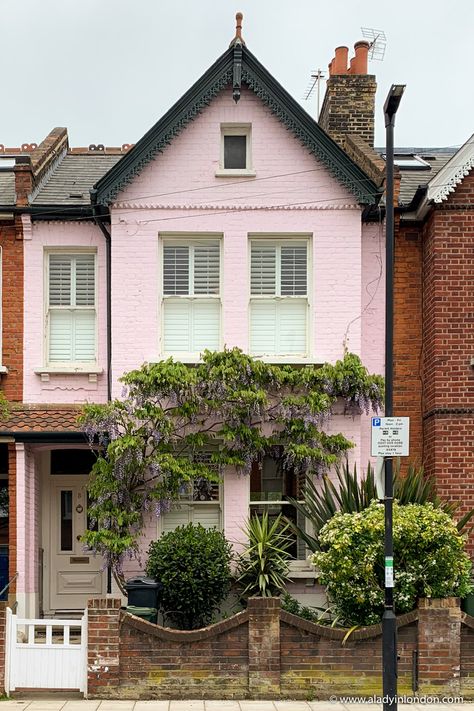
262,569
291,604
193,565
429,560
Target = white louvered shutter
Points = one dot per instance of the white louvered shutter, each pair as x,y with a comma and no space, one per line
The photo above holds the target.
191,324
72,313
278,316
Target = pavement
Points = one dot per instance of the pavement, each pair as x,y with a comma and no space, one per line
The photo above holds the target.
63,704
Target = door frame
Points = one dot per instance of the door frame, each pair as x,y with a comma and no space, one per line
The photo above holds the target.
47,482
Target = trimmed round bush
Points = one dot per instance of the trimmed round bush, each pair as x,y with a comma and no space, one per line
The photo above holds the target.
429,560
193,565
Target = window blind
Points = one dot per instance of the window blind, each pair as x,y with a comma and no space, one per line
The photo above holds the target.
71,312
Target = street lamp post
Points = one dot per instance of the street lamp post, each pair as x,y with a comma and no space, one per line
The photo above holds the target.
389,626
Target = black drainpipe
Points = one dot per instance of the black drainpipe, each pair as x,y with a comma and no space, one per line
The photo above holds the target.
108,268
108,271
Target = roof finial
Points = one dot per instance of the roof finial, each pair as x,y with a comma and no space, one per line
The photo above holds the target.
238,29
238,25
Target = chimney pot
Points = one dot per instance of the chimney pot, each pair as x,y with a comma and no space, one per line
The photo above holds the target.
359,64
340,60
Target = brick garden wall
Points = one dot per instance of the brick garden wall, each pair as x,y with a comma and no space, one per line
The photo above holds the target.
265,652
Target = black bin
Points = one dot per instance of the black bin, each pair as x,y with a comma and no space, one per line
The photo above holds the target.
143,592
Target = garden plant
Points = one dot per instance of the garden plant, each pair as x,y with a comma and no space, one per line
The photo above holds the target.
149,443
192,564
429,560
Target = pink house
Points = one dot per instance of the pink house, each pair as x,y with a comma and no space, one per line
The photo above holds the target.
235,221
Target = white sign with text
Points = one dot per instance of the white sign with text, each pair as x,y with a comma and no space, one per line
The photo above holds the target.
390,436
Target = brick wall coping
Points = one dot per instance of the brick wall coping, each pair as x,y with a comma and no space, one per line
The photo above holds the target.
340,634
173,635
467,620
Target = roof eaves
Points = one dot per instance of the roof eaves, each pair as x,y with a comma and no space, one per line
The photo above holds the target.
162,133
280,102
289,112
452,174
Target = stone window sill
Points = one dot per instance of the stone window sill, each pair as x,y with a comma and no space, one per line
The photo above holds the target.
91,371
231,173
3,370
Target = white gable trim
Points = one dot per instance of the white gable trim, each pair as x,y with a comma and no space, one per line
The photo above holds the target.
452,174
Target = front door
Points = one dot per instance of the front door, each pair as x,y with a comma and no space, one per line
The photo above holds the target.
75,573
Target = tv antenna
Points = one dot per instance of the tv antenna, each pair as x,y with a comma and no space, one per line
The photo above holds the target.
315,81
377,42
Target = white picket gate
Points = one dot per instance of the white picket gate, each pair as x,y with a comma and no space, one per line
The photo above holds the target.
43,654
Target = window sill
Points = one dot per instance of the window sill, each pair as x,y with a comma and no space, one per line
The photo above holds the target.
231,173
287,360
3,370
301,570
91,371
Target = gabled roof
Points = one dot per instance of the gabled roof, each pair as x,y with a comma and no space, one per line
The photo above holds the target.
237,66
453,173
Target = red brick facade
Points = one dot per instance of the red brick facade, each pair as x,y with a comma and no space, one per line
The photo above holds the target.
434,342
11,243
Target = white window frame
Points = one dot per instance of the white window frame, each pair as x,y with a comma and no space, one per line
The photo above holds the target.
185,239
283,240
266,504
64,366
236,129
186,500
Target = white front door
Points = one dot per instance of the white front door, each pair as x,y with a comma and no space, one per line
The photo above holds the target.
75,573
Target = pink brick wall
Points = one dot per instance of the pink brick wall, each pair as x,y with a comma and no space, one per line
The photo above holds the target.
60,388
28,520
293,193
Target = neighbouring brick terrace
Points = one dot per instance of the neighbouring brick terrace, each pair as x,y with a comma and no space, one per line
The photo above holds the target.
266,653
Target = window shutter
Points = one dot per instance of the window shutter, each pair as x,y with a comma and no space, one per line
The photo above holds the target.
60,267
175,270
293,270
84,336
278,327
206,269
191,326
85,279
72,329
208,515
60,336
178,516
263,270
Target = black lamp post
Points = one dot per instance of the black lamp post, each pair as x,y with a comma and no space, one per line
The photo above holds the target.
389,626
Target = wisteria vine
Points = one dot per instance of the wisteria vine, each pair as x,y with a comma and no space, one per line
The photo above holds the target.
150,442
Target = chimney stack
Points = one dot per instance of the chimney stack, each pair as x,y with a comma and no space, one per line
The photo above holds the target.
349,104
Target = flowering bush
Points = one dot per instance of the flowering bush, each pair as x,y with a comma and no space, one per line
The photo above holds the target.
239,408
429,560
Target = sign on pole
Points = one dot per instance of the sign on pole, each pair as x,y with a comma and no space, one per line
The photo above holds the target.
390,436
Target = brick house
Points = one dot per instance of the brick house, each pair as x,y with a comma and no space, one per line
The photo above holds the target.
232,186
434,340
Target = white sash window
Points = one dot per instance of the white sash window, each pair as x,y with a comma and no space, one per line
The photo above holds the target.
71,308
199,502
279,297
191,296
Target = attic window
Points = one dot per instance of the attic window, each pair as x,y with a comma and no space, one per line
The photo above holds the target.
235,150
410,162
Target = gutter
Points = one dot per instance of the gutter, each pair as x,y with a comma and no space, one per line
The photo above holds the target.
43,437
99,221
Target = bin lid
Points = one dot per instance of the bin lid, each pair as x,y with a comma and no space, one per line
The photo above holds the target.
134,610
141,581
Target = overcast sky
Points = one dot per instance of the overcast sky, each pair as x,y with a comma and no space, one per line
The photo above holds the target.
108,69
